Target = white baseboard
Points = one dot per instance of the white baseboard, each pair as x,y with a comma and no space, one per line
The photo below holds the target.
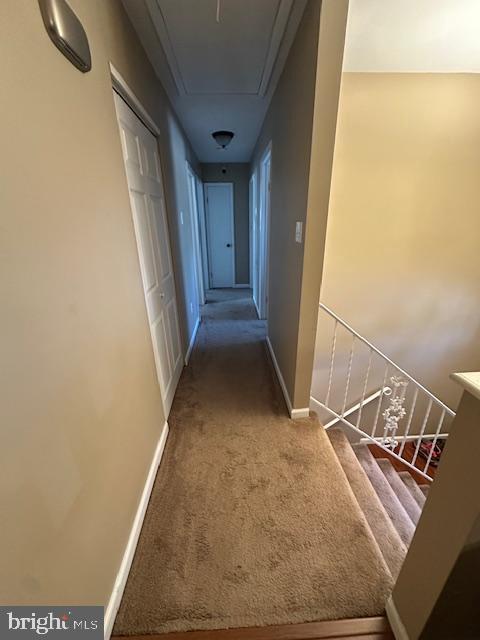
294,413
242,286
122,575
192,341
395,621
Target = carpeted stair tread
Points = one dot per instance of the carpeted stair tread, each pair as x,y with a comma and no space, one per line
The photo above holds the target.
424,488
400,518
413,487
388,540
401,491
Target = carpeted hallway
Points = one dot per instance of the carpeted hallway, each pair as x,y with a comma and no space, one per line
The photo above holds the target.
251,520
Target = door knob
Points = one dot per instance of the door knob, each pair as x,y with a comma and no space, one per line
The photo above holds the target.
228,244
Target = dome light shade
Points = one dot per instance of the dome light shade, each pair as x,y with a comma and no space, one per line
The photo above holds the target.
223,138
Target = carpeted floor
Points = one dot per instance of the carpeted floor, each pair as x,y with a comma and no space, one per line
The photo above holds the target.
251,520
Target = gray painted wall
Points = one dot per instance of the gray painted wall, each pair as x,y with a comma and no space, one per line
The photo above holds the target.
239,174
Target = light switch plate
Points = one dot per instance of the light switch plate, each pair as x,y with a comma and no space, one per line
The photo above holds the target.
298,232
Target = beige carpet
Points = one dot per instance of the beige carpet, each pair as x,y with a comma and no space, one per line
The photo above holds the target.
388,540
251,520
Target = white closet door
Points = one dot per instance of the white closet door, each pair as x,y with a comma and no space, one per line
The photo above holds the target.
140,154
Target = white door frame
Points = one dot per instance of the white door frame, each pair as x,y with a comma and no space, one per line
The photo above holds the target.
264,230
253,192
251,198
120,85
202,232
232,210
192,195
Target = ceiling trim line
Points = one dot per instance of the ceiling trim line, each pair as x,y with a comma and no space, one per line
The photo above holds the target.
276,37
162,32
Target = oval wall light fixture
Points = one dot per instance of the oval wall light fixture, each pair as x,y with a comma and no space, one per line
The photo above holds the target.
223,138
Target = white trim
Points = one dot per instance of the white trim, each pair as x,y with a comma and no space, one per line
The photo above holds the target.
426,436
256,308
122,575
395,621
294,413
192,341
276,37
161,29
318,405
122,88
264,212
193,202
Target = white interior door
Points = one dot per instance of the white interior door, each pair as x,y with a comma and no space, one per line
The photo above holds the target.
192,196
264,223
221,253
140,154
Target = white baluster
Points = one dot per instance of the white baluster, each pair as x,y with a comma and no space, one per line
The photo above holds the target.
349,373
332,358
380,398
437,432
364,388
414,402
422,431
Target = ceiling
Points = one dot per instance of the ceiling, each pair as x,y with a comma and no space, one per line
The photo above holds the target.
436,36
219,63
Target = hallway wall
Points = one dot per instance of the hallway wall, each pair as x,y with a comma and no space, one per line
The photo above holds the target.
301,123
239,174
80,406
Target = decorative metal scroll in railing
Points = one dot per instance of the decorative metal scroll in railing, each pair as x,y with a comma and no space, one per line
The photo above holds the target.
365,390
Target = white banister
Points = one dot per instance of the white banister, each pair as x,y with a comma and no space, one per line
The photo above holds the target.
400,406
387,359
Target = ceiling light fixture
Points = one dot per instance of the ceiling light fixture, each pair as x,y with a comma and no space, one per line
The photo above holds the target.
223,138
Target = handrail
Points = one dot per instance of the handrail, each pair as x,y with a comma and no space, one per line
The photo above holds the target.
387,359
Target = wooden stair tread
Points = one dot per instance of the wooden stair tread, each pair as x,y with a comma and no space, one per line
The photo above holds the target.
376,628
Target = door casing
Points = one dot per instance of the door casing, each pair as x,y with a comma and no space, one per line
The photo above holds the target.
264,232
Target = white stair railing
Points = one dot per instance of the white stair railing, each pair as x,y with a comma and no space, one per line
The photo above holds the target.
407,416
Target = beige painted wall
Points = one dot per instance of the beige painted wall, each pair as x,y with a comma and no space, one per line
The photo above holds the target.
239,174
79,400
300,123
402,262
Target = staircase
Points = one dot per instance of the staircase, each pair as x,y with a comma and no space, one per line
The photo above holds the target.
368,403
390,500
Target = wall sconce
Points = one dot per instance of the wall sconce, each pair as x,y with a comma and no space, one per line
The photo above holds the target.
66,32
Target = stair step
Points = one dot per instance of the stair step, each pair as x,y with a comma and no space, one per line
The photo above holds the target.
413,487
424,488
401,491
400,518
387,537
